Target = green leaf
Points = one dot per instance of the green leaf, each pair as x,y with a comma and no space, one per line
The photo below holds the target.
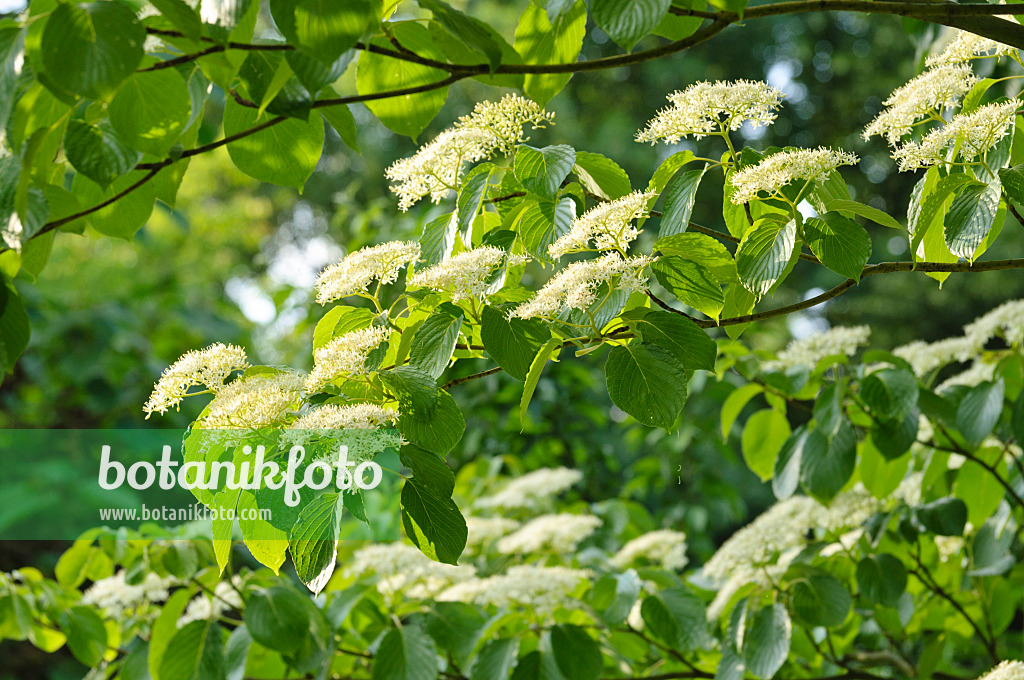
979,412
415,388
97,152
276,617
339,321
124,216
431,518
894,437
577,654
512,343
763,436
691,282
438,239
945,516
165,627
313,541
407,114
880,476
533,376
236,653
87,636
150,111
819,599
1016,421
766,641
12,51
270,83
601,176
471,193
434,342
680,195
340,118
439,431
841,244
470,31
1013,183
627,590
405,653
827,465
322,28
687,341
267,543
285,154
494,660
678,617
890,394
627,21
866,211
668,169
970,218
541,171
881,579
182,17
764,253
14,328
932,202
197,653
315,75
733,405
540,41
90,49
543,222
702,249
647,382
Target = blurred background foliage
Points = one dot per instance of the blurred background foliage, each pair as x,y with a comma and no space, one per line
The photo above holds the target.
234,261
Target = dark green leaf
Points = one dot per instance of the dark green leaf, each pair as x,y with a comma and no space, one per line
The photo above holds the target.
826,466
90,49
313,541
626,21
470,194
971,217
691,282
438,432
512,343
577,654
495,660
647,382
543,222
881,579
541,171
979,412
764,253
415,388
405,653
97,152
438,239
890,394
945,516
687,341
766,641
276,618
431,519
434,342
182,17
841,244
14,328
601,176
819,599
680,195
702,249
470,31
87,637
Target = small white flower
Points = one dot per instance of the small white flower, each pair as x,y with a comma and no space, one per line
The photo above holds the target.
206,606
260,400
485,530
119,599
436,168
343,356
532,489
664,546
355,273
540,590
609,225
808,351
926,95
782,168
468,274
1006,321
403,570
345,417
575,287
967,46
927,356
973,133
560,533
708,108
209,367
1006,670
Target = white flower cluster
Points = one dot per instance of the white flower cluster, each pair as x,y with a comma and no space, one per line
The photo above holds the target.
782,168
926,96
927,356
973,134
484,531
664,546
808,351
979,372
559,533
345,355
575,287
967,46
1006,321
541,590
403,569
209,367
207,606
763,576
1006,670
532,488
435,169
710,108
119,600
260,400
356,271
345,417
469,274
609,225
